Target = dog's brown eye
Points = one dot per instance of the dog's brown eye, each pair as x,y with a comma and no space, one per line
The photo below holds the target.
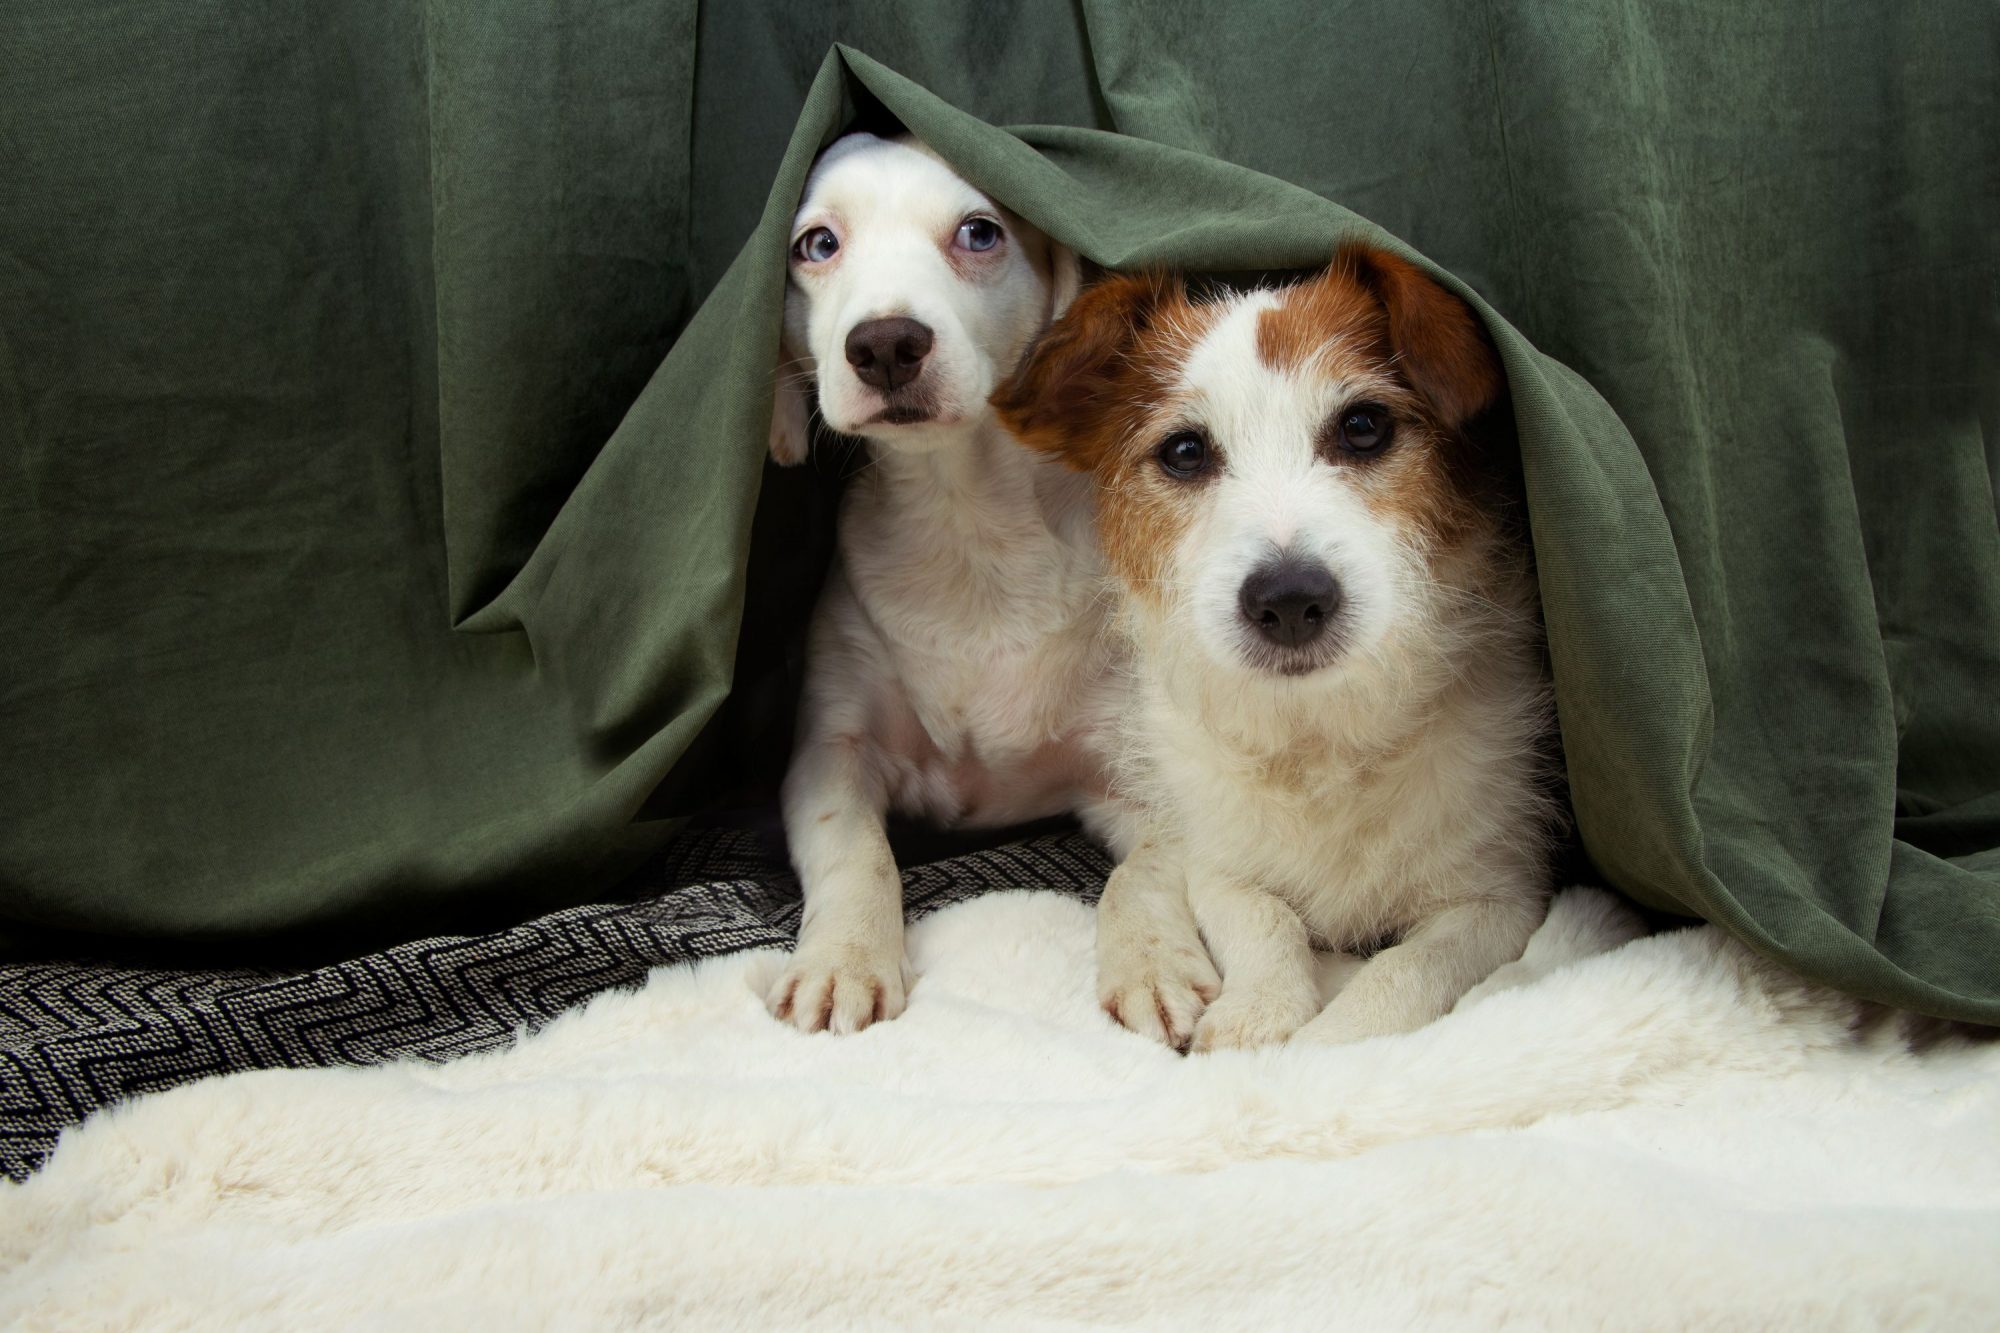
816,246
1184,455
1366,429
978,234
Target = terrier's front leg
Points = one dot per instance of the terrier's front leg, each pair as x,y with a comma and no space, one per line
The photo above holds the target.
848,969
1416,981
1268,991
1153,972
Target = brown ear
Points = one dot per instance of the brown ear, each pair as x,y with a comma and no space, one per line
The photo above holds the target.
1059,397
1438,342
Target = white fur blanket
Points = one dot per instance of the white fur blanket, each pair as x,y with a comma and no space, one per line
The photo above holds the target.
1663,1133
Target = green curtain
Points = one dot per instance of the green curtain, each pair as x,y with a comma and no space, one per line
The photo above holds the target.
370,560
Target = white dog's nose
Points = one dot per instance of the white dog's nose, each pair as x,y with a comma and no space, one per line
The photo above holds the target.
888,353
1290,601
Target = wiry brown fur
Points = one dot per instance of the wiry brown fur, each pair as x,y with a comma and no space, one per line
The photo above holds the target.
1087,396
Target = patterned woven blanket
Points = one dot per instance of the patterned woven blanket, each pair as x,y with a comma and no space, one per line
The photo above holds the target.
78,1036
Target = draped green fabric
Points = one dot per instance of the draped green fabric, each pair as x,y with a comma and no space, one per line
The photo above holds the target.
385,536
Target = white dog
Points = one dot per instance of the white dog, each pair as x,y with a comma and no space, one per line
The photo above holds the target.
1340,714
959,663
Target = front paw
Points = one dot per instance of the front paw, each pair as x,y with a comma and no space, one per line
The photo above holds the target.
1347,1020
839,989
1247,1016
1158,994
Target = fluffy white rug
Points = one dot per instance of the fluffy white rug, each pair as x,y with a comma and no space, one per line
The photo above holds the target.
1662,1133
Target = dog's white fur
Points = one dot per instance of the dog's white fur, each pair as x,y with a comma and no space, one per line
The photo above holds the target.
1388,788
959,667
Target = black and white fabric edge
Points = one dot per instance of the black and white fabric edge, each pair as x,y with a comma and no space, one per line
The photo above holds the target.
76,1037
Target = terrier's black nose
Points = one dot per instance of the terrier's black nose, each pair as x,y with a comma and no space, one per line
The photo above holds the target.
888,353
1290,602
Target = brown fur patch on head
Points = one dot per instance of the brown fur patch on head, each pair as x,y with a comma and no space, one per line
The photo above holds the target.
1402,343
1328,318
1092,392
1440,346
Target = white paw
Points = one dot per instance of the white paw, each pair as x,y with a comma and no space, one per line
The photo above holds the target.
1341,1023
1158,994
1248,1016
839,989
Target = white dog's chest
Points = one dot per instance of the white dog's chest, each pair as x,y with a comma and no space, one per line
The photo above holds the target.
1358,853
1347,871
994,701
987,732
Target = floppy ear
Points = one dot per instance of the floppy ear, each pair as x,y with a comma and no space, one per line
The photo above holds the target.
1439,343
791,409
1059,397
1065,277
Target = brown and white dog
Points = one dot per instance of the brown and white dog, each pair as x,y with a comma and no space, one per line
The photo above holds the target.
1339,712
961,667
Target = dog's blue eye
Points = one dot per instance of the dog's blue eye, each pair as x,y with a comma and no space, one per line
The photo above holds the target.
1184,455
816,246
978,233
1366,429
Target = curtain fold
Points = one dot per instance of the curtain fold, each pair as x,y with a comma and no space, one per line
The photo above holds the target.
386,534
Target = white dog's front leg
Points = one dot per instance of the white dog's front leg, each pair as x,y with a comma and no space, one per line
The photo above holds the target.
1418,980
847,971
1268,991
1153,973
